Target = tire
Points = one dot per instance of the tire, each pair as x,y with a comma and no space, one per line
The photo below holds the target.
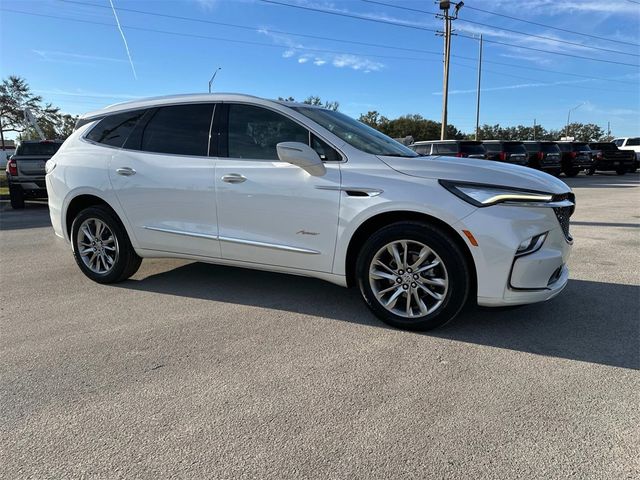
111,257
452,270
621,171
16,197
572,172
591,171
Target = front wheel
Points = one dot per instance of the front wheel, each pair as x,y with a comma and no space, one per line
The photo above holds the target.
413,276
101,246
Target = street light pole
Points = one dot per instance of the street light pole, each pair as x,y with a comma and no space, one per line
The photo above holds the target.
478,100
213,77
569,118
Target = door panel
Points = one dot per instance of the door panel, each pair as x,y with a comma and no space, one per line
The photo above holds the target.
169,201
277,215
164,180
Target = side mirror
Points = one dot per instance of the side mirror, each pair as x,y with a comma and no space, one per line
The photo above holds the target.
303,156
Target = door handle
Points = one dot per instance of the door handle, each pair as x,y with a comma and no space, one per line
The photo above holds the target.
234,178
126,171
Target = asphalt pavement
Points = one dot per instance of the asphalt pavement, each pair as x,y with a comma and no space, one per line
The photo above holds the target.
199,371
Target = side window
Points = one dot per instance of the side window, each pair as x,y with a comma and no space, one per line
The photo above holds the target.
422,149
254,132
180,130
633,142
326,153
115,129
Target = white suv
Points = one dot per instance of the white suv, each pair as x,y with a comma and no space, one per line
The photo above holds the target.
239,180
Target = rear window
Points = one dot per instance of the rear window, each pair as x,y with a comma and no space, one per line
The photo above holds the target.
115,129
581,147
549,148
493,147
565,147
42,148
447,148
532,147
633,142
422,149
472,148
603,146
514,148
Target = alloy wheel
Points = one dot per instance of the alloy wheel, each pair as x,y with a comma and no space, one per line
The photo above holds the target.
408,278
97,246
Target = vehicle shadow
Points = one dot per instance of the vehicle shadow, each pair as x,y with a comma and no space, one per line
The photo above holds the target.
34,215
603,180
590,321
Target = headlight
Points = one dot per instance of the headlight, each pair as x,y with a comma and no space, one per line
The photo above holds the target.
485,195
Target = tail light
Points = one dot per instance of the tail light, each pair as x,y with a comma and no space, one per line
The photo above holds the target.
599,155
461,155
540,156
502,156
12,167
573,154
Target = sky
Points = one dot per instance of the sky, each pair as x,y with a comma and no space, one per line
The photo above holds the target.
83,55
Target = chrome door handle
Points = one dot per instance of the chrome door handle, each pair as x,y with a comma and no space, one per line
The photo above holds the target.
234,178
126,171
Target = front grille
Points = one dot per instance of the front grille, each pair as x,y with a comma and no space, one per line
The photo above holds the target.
563,214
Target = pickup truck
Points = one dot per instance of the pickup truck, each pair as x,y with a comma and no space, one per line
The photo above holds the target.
630,143
25,170
609,158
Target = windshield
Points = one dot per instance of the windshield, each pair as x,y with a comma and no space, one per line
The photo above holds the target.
42,148
355,133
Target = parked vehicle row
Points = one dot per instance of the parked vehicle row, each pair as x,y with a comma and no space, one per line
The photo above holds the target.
552,157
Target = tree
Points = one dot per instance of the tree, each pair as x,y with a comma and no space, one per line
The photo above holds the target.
585,132
15,97
374,120
314,100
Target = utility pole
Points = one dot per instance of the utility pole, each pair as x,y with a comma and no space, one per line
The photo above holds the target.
444,6
608,129
534,128
478,100
213,77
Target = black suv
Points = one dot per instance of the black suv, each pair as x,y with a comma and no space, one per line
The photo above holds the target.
544,156
609,158
451,148
506,151
576,156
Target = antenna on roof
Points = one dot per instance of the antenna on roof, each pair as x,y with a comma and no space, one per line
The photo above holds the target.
213,77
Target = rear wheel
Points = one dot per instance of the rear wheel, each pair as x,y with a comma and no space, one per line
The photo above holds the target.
572,172
101,246
413,276
16,197
591,171
621,171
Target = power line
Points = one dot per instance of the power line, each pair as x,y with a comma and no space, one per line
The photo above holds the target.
405,25
252,29
552,27
517,32
221,39
311,49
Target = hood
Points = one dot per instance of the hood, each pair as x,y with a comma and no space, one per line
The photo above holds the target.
477,171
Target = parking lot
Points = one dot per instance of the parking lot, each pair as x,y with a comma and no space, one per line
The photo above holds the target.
200,371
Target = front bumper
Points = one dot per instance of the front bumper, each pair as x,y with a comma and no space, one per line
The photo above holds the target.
503,278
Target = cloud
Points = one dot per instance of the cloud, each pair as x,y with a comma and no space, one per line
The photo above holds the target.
553,7
207,4
304,54
54,56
